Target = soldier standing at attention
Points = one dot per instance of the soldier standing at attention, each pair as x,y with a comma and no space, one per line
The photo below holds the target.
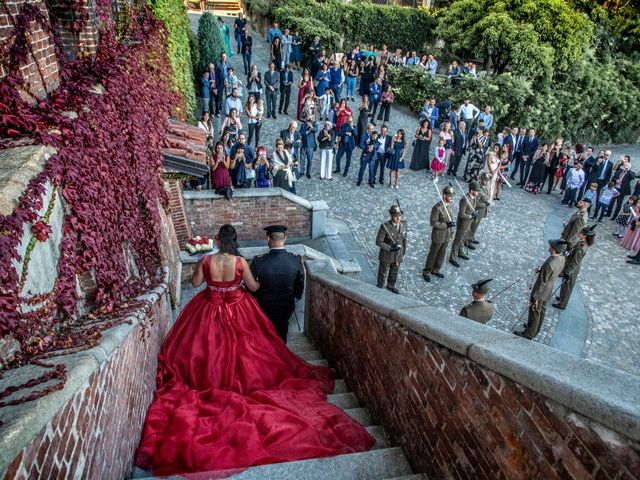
482,204
576,222
466,214
543,288
392,241
281,277
586,237
479,310
441,230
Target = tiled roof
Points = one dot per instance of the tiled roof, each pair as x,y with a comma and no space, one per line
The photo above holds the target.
185,140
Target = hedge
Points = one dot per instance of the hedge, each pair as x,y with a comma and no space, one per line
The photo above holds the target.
174,14
595,105
359,22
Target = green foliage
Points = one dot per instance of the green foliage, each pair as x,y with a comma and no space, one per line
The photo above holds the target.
610,115
174,14
194,46
362,22
531,38
210,40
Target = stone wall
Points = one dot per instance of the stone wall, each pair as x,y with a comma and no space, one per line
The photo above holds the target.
40,72
90,428
467,401
249,211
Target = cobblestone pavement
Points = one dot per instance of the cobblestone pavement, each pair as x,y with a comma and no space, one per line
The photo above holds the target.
513,245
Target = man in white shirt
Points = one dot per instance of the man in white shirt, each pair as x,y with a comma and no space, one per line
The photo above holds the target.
469,112
575,180
233,101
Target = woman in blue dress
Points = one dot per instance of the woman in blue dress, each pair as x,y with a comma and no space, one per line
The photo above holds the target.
396,159
224,28
324,78
296,49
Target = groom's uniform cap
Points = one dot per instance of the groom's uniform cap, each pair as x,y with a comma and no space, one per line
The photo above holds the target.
275,229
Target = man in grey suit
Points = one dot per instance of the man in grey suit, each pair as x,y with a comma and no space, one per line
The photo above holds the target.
272,86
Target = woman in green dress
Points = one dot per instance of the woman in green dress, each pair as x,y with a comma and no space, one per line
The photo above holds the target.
224,28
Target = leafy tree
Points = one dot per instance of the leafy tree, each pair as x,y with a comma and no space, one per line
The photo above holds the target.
532,38
210,40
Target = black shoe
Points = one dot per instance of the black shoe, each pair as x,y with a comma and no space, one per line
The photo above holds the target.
633,257
358,183
497,198
274,116
286,113
464,257
308,176
344,174
279,112
336,171
426,277
471,247
454,263
520,333
393,289
557,299
557,305
381,182
634,262
372,185
475,242
519,184
437,274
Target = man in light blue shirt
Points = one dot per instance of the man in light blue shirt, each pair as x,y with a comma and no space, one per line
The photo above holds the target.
273,33
487,117
432,66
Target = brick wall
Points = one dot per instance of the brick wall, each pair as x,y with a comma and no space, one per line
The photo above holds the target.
95,433
248,214
67,22
178,215
454,417
41,72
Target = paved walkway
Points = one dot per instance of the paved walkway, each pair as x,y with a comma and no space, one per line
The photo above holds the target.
601,321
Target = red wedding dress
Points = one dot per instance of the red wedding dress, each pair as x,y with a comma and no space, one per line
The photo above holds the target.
231,395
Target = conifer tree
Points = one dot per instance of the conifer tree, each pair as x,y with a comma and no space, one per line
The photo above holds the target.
210,40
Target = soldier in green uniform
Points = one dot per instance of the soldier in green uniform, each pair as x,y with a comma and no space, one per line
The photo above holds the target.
482,204
442,223
542,289
586,237
576,222
466,214
479,310
392,241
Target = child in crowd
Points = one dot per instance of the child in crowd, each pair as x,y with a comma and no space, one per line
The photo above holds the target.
438,164
604,202
326,101
560,170
625,217
591,194
262,169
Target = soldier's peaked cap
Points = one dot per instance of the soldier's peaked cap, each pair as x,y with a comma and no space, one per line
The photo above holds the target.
448,190
482,286
589,231
559,245
475,185
395,210
275,229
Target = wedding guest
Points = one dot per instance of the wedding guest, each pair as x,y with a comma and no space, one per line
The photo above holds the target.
326,103
603,206
536,176
254,113
351,77
219,164
422,146
232,82
326,142
386,100
272,86
233,101
439,161
624,219
263,179
432,66
296,49
375,93
631,239
273,33
363,118
276,53
447,136
231,125
454,73
205,91
206,124
314,49
286,81
247,49
323,77
486,117
396,159
575,180
346,144
254,82
622,180
282,167
591,195
336,79
305,87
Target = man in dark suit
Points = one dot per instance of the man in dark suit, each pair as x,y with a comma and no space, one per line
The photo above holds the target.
529,148
511,141
518,161
221,76
281,278
271,86
286,80
588,165
384,144
622,180
308,131
459,148
604,170
293,136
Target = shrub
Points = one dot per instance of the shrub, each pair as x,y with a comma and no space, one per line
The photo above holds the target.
211,42
174,14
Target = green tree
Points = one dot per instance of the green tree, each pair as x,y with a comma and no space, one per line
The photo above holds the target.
174,15
532,38
210,40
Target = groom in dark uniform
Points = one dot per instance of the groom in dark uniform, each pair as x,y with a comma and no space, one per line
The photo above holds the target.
281,277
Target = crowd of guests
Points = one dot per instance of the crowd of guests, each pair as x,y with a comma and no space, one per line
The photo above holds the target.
333,126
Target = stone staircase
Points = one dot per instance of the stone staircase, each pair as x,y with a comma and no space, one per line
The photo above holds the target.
229,8
383,461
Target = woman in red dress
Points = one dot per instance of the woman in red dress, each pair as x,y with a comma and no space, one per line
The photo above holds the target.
305,85
343,112
229,393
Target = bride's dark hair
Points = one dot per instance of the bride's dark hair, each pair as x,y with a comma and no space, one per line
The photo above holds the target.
228,240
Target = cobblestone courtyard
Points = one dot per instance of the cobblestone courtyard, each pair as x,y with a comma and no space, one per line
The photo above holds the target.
513,244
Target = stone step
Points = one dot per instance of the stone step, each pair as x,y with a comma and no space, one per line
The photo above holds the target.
377,432
371,465
301,348
320,363
310,355
295,335
340,386
360,415
298,342
343,400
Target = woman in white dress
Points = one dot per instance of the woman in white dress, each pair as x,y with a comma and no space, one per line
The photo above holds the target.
493,167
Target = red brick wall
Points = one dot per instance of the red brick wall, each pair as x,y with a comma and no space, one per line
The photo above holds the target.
249,215
453,417
62,18
96,432
178,216
41,71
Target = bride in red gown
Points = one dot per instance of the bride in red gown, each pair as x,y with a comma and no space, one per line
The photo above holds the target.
229,393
